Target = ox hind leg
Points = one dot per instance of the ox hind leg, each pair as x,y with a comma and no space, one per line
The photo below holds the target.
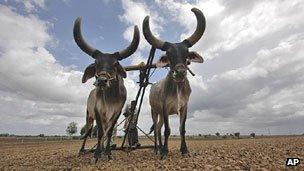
155,118
109,136
85,137
164,151
100,133
183,117
89,128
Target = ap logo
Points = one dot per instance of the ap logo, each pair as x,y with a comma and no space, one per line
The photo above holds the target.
292,161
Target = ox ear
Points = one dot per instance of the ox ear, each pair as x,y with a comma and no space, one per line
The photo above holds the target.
195,57
121,71
163,61
88,73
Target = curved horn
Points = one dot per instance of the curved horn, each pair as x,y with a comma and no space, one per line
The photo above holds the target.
200,27
132,47
83,45
149,36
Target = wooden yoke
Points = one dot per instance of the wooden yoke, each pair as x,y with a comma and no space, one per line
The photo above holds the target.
142,66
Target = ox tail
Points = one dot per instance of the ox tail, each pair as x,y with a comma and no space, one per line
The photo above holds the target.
151,129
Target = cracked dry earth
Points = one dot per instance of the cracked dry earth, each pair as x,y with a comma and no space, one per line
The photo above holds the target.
236,154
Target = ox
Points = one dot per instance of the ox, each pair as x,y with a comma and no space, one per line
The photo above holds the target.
171,94
105,102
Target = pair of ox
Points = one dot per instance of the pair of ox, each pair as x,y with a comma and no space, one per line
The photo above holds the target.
168,96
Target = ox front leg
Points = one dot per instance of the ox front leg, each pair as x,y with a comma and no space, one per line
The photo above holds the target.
183,117
159,126
109,136
167,132
98,151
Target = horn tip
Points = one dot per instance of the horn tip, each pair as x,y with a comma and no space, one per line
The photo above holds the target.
77,22
136,28
78,19
146,18
196,10
136,34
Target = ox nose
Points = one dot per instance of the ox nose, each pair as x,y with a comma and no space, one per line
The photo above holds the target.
179,74
181,71
101,81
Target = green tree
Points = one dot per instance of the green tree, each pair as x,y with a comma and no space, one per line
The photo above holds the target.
237,134
72,128
217,134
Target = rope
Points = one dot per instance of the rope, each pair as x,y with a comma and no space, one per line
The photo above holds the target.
145,134
152,73
121,122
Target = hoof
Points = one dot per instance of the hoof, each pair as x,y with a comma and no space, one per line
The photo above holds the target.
110,157
108,153
164,153
164,157
184,151
186,154
156,151
97,155
113,146
95,160
81,152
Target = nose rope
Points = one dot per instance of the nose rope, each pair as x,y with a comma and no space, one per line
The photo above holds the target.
186,67
191,72
106,74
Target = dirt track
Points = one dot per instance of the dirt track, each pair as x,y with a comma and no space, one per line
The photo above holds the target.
243,154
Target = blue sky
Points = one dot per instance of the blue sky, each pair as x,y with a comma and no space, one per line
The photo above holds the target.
101,27
251,80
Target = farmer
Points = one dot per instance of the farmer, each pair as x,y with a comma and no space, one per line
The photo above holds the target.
133,133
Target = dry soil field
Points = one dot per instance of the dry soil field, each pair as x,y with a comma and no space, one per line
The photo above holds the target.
242,154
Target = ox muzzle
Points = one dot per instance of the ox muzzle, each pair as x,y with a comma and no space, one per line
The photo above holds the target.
103,80
179,73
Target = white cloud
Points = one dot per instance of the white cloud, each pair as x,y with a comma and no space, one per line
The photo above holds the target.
35,88
228,27
267,93
253,82
255,78
265,18
31,6
134,14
